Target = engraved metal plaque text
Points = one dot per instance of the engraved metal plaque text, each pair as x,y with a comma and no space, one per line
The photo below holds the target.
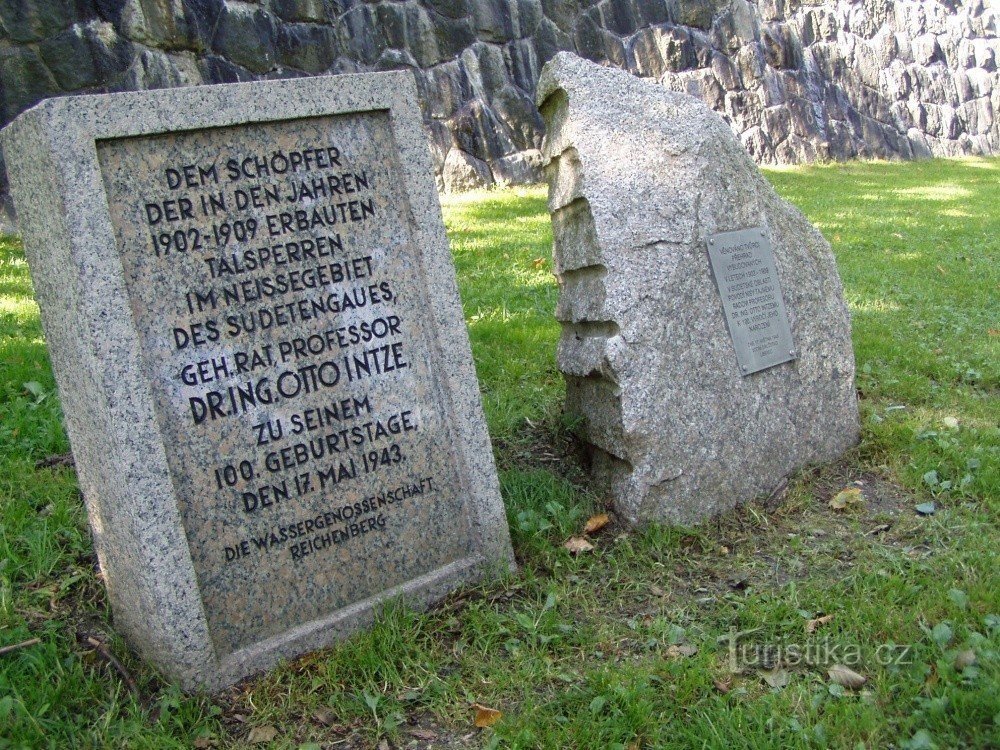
744,270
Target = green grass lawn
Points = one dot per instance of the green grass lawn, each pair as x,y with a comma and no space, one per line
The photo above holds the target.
619,647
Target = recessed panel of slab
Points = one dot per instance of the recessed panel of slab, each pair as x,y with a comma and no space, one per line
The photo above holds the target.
284,320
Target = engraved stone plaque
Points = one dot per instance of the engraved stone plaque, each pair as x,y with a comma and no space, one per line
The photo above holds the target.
280,305
261,355
747,278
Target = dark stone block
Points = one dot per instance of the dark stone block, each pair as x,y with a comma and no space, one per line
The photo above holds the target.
810,32
643,53
302,11
758,145
873,139
666,49
518,112
840,140
565,13
620,17
391,18
492,65
219,70
653,11
420,37
203,19
725,71
307,47
477,131
781,49
452,36
110,10
86,56
493,20
734,27
548,40
702,45
34,20
444,88
778,123
24,80
523,65
588,40
162,24
395,59
451,8
803,119
247,37
360,36
529,15
153,69
698,13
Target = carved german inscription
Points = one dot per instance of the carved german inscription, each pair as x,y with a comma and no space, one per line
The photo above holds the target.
278,296
747,278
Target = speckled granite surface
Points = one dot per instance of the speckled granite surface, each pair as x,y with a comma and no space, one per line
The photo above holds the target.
254,323
639,180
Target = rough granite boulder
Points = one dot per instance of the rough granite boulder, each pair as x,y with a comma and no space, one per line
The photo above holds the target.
463,172
640,178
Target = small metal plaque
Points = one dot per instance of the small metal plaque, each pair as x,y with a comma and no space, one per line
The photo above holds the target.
744,270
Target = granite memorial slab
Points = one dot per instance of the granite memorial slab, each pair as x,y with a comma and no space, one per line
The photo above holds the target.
255,328
706,343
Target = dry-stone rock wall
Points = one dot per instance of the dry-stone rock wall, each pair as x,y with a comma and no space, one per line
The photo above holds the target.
796,79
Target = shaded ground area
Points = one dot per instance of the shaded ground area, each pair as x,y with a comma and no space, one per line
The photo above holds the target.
717,636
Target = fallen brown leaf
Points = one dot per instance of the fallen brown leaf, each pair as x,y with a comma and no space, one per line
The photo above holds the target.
723,686
577,544
538,262
261,735
846,676
596,523
847,496
324,716
819,621
485,716
681,649
776,678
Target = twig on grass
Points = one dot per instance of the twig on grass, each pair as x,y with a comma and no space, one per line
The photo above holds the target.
63,459
111,659
15,646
